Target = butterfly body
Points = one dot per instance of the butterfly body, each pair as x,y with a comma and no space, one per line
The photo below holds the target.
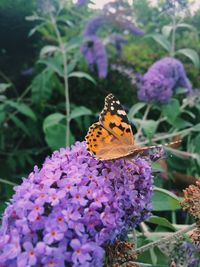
112,137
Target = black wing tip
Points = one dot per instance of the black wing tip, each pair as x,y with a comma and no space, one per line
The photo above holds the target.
110,97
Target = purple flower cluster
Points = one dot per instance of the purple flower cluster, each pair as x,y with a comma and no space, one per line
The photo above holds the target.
122,23
185,255
94,24
126,24
161,79
93,48
65,213
81,3
90,32
188,249
95,54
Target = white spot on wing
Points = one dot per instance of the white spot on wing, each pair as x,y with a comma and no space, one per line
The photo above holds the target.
121,112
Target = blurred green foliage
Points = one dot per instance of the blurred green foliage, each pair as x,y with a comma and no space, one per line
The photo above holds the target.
35,85
32,93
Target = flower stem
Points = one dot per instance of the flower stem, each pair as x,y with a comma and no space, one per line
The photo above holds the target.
166,239
65,76
165,136
137,136
143,264
173,40
8,81
183,154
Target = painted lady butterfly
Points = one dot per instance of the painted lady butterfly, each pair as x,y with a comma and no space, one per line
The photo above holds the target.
112,137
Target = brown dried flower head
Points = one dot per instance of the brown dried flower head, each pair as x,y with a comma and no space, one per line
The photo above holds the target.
191,201
191,204
120,253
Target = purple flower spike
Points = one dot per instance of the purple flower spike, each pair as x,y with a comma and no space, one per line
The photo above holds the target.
161,79
66,213
94,24
128,25
95,54
81,3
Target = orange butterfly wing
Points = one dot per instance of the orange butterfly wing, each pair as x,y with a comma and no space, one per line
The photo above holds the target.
112,136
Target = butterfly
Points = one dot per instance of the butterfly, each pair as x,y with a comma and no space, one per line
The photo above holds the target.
112,137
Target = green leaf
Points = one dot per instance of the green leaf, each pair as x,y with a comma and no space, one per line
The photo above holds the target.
20,124
48,49
190,113
2,116
171,110
156,167
134,109
2,98
22,108
161,221
33,17
180,123
55,136
166,30
162,40
187,26
52,120
153,255
191,54
80,111
74,43
35,29
149,127
4,86
181,90
53,64
41,87
55,131
164,200
71,65
196,127
80,74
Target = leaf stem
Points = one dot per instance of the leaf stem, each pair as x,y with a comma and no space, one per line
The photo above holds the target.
139,132
183,154
19,99
165,136
173,40
166,239
8,81
64,56
144,264
7,182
